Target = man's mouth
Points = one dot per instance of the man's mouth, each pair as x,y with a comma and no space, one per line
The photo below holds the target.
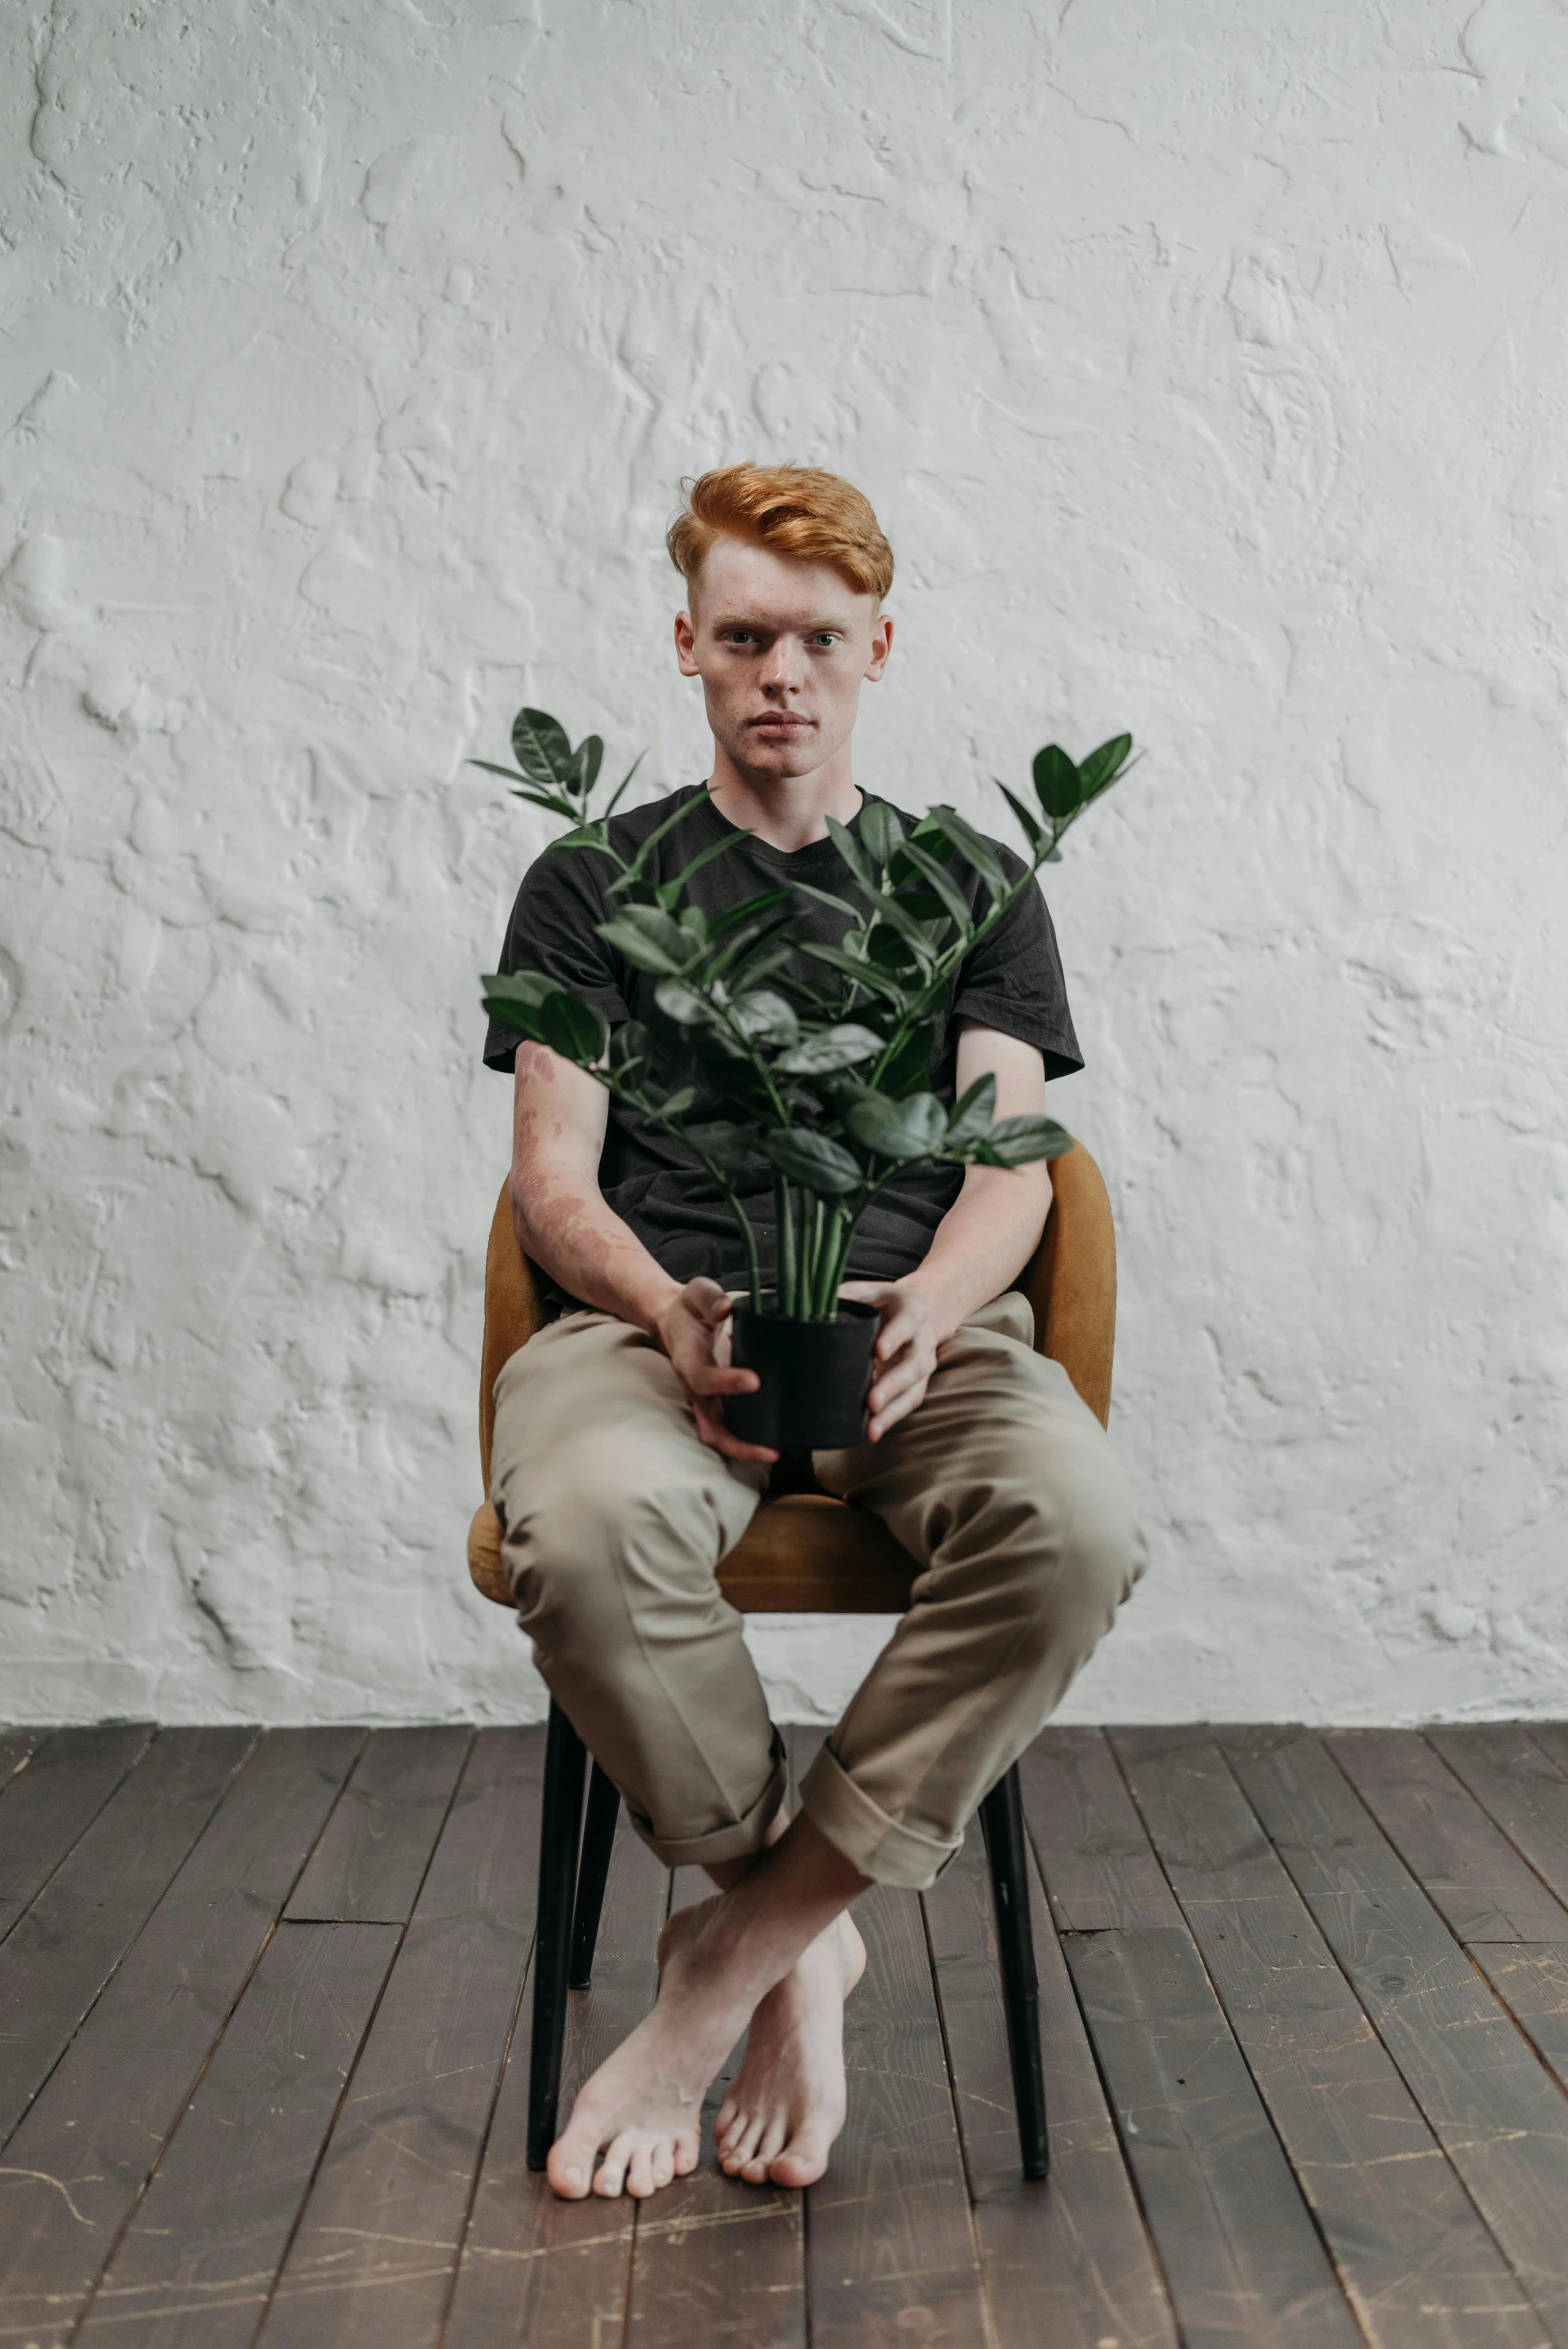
778,722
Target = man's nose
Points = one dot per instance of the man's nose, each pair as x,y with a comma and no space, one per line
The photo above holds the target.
782,670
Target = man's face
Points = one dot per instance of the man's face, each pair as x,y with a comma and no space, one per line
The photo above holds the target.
782,649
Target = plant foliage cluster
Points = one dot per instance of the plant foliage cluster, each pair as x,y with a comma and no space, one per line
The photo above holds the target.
828,1075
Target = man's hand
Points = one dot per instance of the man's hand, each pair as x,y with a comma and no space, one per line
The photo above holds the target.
693,1330
905,1352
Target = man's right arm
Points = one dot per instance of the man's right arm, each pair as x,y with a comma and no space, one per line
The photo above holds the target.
564,1223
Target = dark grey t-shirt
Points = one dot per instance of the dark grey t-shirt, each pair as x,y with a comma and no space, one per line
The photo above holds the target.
1012,982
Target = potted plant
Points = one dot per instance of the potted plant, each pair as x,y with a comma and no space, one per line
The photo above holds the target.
829,1078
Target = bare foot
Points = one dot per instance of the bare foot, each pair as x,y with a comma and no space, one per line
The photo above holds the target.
637,2123
779,2120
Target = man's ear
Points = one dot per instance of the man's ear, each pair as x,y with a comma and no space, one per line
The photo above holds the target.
686,644
881,646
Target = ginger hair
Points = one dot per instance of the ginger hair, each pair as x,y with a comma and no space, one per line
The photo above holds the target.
792,510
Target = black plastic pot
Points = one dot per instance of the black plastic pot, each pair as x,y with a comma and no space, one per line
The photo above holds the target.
815,1377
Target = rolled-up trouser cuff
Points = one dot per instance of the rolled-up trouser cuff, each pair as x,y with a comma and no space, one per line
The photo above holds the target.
732,1842
863,1833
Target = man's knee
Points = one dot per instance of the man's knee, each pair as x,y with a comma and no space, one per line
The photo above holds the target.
1071,1551
600,1526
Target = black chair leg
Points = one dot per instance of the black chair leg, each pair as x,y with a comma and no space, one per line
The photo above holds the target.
1002,1820
604,1804
560,1838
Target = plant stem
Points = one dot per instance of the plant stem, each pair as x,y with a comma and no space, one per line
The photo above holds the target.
831,1269
810,1256
784,1247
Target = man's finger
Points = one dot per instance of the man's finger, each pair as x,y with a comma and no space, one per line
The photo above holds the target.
713,1431
705,1378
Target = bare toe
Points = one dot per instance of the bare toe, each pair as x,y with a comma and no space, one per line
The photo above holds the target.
640,2179
803,2160
610,2176
743,2142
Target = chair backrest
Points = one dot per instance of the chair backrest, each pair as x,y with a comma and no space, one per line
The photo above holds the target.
1070,1282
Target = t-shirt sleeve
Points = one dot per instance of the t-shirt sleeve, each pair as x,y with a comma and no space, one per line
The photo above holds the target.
1013,980
554,929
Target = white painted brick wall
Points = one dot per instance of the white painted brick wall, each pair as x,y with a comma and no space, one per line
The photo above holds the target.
1206,367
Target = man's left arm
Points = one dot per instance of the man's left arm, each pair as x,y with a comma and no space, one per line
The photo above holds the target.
980,1246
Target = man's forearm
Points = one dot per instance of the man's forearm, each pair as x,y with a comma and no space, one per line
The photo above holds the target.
563,1221
584,1245
983,1242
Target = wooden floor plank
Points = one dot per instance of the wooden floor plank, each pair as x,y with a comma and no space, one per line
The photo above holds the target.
1531,1978
1099,1871
1552,1738
1499,2117
1069,2264
15,1747
371,1861
1464,1863
54,1800
1421,2269
715,2259
84,2150
891,2253
1512,1776
62,1951
1242,2259
194,2267
534,2270
376,2248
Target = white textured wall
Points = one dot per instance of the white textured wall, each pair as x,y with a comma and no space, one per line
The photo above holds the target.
1206,366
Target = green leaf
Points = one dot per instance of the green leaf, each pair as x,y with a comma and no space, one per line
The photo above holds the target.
509,774
1029,823
1102,767
621,788
761,963
630,1045
732,1148
726,922
898,1129
826,897
633,874
1057,784
865,974
849,849
715,848
1021,1141
648,938
971,845
683,1004
517,990
675,1104
880,831
835,1048
585,836
946,888
974,1112
888,948
538,1008
764,1017
814,1161
542,749
909,1063
589,759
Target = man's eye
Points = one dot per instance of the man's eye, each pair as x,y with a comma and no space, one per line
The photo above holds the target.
827,638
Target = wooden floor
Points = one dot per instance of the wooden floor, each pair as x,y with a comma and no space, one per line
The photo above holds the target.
263,2013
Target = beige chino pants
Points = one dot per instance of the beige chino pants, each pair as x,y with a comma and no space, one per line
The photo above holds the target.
614,1515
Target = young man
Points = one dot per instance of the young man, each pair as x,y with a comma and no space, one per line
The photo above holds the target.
617,1484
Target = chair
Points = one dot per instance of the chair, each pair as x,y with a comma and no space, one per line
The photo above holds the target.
803,1553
